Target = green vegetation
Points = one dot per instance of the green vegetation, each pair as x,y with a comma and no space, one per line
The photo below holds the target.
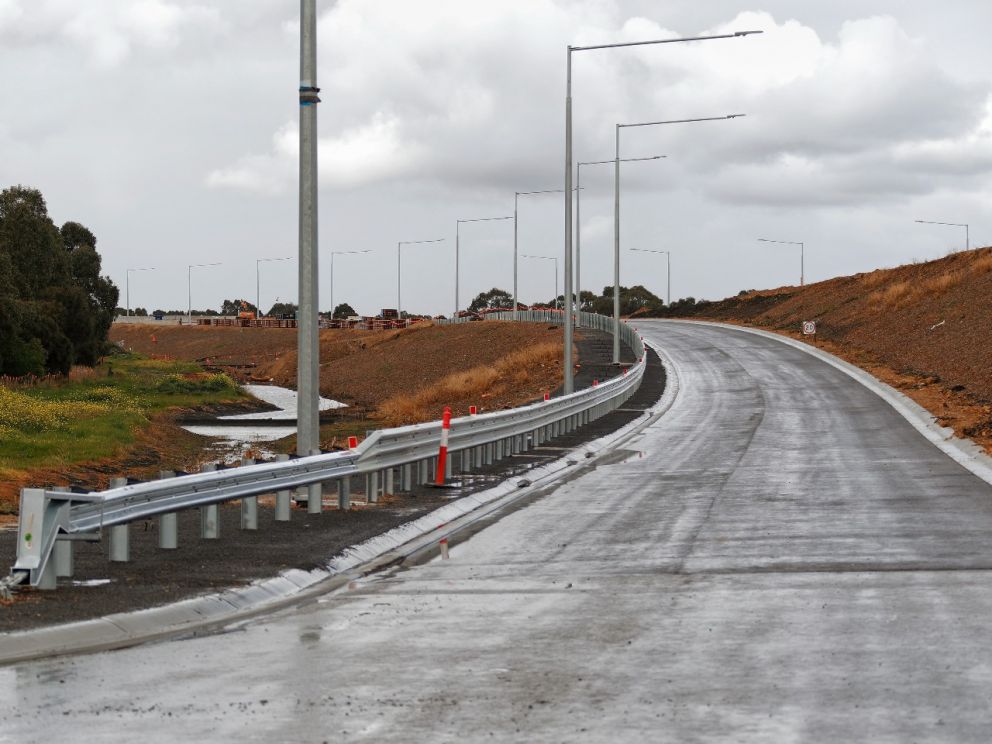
344,310
55,308
494,299
632,299
90,418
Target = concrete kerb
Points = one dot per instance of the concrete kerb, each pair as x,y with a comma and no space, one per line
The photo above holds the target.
963,451
207,613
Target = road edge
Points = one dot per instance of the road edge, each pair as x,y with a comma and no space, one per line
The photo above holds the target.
210,612
963,451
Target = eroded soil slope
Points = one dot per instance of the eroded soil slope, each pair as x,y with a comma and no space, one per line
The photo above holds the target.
925,328
366,368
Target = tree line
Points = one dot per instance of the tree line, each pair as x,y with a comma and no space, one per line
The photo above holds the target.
633,300
55,308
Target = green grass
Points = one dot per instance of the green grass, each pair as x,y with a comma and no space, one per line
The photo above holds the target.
91,418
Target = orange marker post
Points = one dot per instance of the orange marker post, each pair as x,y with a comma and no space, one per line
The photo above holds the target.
442,455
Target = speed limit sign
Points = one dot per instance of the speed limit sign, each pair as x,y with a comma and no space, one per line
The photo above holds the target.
809,328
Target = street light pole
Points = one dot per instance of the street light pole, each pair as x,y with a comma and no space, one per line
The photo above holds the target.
258,283
578,217
399,266
555,259
802,256
568,371
333,254
127,286
458,224
189,287
668,272
616,214
308,351
516,199
967,230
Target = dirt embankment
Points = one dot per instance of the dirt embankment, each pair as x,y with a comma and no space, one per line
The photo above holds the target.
925,328
365,369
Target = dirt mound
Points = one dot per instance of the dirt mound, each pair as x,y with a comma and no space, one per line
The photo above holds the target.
364,368
923,327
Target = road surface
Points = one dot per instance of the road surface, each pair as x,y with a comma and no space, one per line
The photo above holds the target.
779,558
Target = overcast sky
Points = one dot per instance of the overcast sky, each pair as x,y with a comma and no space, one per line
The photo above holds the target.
169,127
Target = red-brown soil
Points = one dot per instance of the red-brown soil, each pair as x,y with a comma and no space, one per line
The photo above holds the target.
925,328
360,368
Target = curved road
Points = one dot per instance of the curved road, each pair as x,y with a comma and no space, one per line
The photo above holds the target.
779,558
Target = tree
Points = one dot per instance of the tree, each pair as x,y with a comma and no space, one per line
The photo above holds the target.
76,236
632,300
586,300
55,308
282,308
344,310
492,300
233,307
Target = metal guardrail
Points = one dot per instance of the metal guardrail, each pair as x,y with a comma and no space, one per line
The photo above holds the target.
51,519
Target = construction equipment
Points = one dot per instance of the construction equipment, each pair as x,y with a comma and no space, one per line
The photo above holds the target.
245,313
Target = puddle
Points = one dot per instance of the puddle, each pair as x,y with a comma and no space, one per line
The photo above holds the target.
92,582
233,439
283,398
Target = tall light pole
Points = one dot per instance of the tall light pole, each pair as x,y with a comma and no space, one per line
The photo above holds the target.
967,230
399,270
578,216
258,282
333,254
307,321
616,214
802,256
555,259
569,384
668,272
127,286
458,224
516,199
189,287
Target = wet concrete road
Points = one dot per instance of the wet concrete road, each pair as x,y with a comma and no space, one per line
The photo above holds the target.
780,558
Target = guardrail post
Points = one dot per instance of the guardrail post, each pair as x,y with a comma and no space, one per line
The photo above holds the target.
62,552
447,469
498,447
249,504
406,477
372,487
465,456
315,494
282,498
209,514
423,471
487,453
120,546
344,494
388,485
477,458
168,524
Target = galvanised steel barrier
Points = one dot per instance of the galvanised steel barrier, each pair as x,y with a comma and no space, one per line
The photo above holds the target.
52,519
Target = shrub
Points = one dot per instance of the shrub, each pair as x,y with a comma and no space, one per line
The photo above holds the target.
109,396
196,383
25,413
